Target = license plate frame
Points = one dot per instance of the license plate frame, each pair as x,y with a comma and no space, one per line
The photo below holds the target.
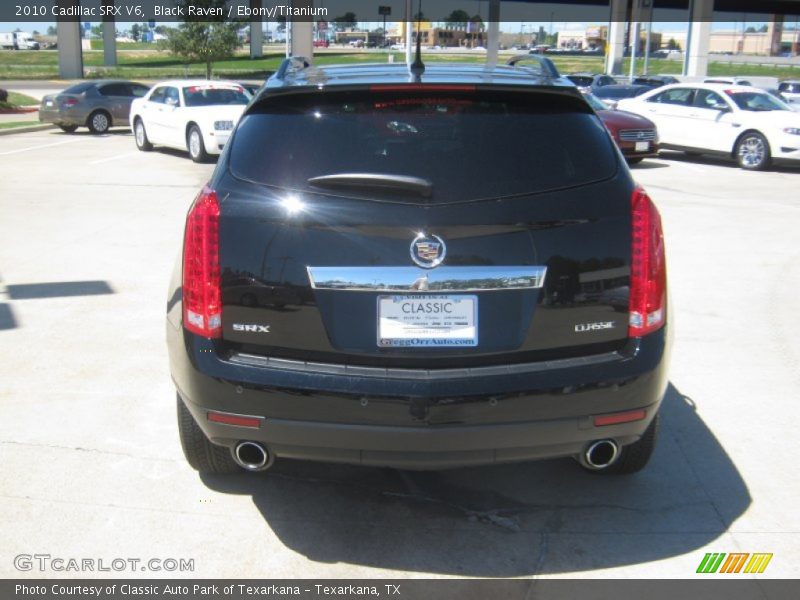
642,146
409,327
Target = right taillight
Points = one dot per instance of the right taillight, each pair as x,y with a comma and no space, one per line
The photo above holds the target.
648,283
202,296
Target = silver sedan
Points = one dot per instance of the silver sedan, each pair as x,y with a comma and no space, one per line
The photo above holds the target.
98,105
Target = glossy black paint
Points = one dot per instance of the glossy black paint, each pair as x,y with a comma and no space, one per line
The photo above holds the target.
581,234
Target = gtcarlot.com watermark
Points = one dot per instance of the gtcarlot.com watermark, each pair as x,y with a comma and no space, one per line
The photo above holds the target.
47,562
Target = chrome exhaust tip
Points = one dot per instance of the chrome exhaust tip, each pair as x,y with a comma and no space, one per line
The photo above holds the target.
600,454
252,456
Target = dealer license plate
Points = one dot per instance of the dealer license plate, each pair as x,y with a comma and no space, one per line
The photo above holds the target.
440,321
642,146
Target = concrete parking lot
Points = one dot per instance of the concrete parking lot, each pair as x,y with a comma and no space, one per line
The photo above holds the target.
92,466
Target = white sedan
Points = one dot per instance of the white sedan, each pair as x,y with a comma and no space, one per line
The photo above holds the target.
744,122
196,115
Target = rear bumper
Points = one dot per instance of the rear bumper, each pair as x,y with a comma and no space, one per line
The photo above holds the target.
57,117
629,150
430,420
215,140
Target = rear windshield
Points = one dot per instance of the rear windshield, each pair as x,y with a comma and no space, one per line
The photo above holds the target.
213,96
78,88
756,101
792,88
469,146
581,80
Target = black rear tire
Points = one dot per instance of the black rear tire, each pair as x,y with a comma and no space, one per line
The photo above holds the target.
140,135
634,161
752,152
634,457
202,455
99,122
68,128
195,145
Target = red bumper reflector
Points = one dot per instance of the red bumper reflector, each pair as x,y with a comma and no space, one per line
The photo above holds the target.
616,419
227,419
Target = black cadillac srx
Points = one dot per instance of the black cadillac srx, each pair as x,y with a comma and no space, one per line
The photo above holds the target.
420,270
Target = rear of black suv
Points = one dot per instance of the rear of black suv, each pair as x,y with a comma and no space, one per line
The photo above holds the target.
457,270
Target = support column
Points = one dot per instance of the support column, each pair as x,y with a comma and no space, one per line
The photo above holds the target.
493,43
256,32
699,38
109,37
70,56
301,42
615,44
409,34
775,35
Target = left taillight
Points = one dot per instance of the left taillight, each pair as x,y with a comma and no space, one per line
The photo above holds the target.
202,296
648,289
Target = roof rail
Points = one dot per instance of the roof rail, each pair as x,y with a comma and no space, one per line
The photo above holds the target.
547,66
292,64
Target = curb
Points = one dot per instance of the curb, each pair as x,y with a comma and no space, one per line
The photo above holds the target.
27,129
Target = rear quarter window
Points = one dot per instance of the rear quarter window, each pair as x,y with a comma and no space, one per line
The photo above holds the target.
470,146
78,88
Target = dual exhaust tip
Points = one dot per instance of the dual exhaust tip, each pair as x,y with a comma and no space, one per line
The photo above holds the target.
252,456
600,455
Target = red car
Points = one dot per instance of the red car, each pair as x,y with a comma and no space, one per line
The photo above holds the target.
636,136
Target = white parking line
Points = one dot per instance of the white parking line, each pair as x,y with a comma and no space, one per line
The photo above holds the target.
117,157
37,147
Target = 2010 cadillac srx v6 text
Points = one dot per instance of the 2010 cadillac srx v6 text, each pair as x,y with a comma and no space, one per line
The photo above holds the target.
445,267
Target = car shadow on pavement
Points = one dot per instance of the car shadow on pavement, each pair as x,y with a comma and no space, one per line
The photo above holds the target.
30,291
7,320
121,131
648,164
506,520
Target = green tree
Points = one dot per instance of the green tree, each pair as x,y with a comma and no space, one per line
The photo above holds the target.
204,41
51,30
457,19
136,32
348,19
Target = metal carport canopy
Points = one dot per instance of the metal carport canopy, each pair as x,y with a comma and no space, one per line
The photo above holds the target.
778,7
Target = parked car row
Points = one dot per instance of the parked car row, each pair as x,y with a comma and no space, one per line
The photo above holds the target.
193,115
744,122
725,116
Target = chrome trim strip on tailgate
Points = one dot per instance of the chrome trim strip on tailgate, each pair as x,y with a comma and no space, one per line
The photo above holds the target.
254,360
411,279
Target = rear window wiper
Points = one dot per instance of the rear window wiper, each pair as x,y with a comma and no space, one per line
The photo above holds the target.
374,181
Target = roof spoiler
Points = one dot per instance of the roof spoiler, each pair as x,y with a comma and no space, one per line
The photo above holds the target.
547,66
291,65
